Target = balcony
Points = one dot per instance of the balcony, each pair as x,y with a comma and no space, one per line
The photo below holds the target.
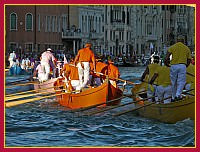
71,35
151,38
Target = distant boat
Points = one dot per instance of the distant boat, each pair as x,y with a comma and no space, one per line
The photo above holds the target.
16,70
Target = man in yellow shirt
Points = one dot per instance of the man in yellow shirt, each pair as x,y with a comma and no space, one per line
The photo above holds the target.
190,78
163,88
150,69
181,57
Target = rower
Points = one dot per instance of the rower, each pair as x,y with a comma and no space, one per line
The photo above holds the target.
113,73
190,78
163,88
71,75
150,69
97,77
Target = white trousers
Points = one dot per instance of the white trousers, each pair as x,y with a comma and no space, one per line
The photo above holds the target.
11,63
151,93
164,92
41,77
75,84
84,73
178,79
46,69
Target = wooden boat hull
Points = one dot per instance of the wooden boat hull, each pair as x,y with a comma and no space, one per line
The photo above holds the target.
89,97
47,86
169,113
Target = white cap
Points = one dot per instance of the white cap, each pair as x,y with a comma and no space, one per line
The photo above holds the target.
49,49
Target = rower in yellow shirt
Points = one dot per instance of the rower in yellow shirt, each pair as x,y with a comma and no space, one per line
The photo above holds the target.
150,70
190,78
163,88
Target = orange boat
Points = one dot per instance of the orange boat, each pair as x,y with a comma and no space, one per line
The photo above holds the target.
90,96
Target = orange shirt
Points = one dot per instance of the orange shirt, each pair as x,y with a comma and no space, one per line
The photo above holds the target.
72,70
85,55
113,72
102,68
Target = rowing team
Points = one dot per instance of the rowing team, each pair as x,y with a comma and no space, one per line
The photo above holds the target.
83,71
170,80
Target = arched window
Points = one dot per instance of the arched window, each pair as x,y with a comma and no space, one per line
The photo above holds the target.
13,21
29,22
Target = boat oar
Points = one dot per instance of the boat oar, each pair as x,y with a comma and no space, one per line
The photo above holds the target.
116,78
134,109
25,96
131,110
110,108
35,90
20,84
190,74
15,103
96,105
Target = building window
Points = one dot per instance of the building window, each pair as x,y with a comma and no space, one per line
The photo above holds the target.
29,47
29,22
12,46
39,29
58,24
13,21
48,23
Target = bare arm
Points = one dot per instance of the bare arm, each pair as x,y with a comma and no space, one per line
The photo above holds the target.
166,61
145,73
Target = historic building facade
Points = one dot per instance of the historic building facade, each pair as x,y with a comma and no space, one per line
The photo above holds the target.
112,29
34,28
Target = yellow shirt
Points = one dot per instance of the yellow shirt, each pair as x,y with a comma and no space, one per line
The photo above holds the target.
163,76
191,70
180,53
152,69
